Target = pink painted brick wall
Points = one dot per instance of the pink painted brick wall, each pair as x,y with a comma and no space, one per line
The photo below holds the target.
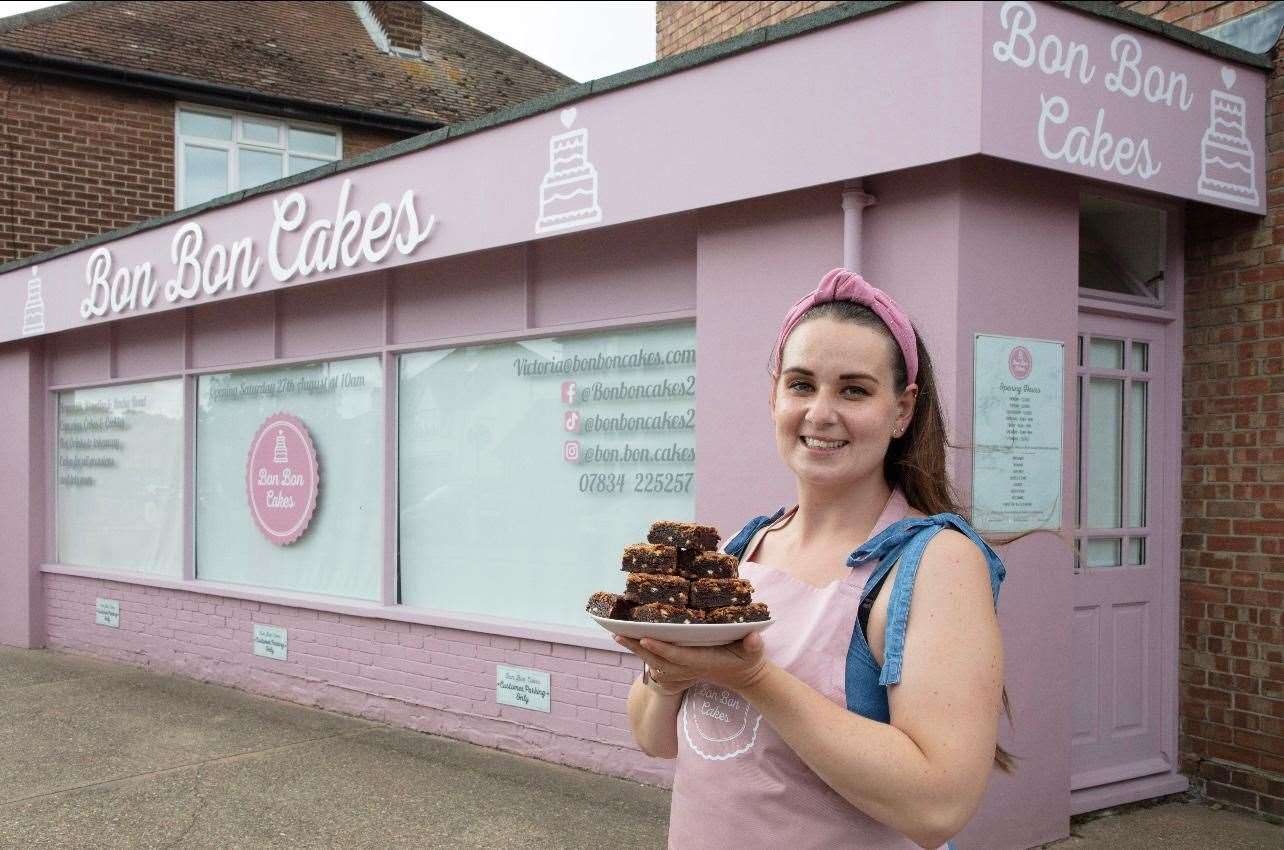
426,678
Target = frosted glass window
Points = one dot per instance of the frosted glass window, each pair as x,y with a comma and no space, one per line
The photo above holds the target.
263,132
119,477
525,468
258,167
1136,551
300,164
204,174
341,404
314,142
1140,357
1105,453
224,150
205,125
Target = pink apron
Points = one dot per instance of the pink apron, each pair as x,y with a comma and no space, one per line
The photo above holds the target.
738,784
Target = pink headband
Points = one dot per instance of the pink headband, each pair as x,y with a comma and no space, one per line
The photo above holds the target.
842,285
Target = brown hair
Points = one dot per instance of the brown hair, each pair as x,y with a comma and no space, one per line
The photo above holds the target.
916,460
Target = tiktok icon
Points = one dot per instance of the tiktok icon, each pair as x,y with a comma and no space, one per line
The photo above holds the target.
568,393
571,421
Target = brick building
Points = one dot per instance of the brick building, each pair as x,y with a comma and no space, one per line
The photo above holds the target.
111,110
1232,561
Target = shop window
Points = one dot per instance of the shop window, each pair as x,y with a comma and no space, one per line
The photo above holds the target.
1122,250
119,477
250,474
220,151
525,468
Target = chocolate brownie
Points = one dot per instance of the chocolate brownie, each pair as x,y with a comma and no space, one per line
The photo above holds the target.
720,592
684,535
610,605
738,614
645,588
650,558
660,612
712,565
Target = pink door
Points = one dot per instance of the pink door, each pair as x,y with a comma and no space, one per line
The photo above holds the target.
1122,710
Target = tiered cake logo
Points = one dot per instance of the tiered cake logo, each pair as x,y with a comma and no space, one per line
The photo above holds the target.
568,193
1226,157
281,478
33,312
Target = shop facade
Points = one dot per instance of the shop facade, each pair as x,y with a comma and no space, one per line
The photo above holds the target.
369,441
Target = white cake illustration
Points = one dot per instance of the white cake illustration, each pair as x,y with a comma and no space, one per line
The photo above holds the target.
279,455
1226,156
568,193
33,312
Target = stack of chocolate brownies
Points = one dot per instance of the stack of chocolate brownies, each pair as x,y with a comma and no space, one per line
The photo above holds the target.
677,576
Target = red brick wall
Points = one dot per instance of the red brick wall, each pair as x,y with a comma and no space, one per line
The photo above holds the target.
1232,589
79,159
685,26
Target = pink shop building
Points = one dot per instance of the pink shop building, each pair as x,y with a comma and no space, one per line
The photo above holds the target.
368,437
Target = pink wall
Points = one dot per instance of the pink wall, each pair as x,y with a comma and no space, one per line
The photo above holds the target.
940,240
22,494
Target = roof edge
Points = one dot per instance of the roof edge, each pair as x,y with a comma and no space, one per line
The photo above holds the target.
430,8
49,13
570,94
1172,32
82,69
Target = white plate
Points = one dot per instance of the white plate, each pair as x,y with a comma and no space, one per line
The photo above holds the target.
683,634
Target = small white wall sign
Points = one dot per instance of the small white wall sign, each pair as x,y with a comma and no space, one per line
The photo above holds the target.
1016,432
522,688
269,642
107,613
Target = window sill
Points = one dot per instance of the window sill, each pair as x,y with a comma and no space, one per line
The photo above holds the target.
588,638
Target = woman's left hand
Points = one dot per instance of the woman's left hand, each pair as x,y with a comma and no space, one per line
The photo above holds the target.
735,666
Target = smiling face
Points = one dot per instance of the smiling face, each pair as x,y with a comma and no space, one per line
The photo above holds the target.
834,403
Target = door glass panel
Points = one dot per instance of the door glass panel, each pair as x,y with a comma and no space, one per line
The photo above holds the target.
1105,453
1140,357
1106,354
1104,553
1080,351
1078,479
1136,551
1137,462
204,174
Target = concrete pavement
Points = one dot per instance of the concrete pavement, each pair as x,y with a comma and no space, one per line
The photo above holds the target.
103,755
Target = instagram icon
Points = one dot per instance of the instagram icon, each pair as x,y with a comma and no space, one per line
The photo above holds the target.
571,451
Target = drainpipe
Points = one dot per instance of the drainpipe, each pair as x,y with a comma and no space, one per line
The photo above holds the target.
854,202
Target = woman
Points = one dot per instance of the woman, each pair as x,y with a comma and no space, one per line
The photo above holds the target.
848,723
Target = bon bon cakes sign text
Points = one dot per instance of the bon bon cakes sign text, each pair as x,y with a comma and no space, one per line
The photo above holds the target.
282,478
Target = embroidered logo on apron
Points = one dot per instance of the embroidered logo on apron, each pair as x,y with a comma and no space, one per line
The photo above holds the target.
718,723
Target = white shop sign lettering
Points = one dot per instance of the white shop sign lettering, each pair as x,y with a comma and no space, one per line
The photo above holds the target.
202,268
1089,144
269,642
107,613
522,688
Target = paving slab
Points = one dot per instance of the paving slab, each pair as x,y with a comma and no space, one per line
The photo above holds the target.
107,755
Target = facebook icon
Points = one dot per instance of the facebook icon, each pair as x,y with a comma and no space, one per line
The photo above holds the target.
568,392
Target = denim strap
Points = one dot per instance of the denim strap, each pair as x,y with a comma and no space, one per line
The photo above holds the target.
736,545
906,541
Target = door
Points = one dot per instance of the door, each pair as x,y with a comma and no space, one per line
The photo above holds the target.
1120,715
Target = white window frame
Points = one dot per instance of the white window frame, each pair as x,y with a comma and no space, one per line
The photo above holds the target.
231,147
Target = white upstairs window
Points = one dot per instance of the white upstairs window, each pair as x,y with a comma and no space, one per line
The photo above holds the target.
219,151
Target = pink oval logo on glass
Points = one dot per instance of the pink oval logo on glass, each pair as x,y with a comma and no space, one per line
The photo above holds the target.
1020,362
281,478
